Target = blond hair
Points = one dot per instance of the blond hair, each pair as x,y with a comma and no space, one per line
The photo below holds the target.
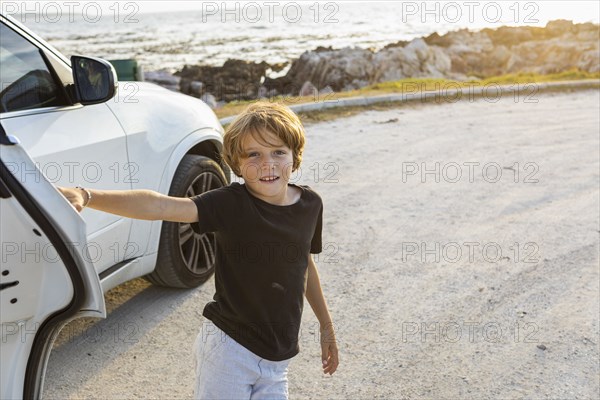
257,120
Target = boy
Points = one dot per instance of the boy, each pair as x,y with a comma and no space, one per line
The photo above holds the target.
266,229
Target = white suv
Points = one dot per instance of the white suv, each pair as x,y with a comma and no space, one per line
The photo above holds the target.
69,123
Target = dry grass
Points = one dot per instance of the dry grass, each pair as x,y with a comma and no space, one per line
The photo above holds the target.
405,86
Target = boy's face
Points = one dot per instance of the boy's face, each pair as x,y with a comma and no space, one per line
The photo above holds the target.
266,166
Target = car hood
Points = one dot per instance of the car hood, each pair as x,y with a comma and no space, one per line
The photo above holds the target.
145,107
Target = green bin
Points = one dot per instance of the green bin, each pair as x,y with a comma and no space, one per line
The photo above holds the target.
127,70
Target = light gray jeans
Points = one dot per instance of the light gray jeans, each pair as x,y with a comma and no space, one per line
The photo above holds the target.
227,370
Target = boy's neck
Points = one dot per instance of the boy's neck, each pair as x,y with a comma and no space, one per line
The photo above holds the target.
290,195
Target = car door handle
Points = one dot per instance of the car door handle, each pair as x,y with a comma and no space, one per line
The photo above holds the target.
8,285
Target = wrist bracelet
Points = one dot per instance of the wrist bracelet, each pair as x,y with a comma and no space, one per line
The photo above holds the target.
88,193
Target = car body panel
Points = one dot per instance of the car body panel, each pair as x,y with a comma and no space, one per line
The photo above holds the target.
47,277
135,140
149,231
93,157
146,113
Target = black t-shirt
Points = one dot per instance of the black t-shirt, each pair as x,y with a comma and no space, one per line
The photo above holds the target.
261,265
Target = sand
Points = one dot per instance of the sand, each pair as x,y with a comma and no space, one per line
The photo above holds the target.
441,286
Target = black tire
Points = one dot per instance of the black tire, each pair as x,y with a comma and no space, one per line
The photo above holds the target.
186,259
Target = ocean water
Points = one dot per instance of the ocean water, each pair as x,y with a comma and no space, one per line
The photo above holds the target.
168,35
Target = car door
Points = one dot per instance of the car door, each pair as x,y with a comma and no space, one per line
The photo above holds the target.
71,144
47,275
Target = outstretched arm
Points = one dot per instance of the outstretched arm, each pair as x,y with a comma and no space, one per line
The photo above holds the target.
137,204
314,295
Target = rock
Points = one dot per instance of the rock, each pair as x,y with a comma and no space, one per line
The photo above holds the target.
589,61
322,49
541,347
436,40
308,89
262,92
326,90
196,88
512,35
462,54
467,42
554,55
341,69
210,100
272,93
400,43
416,59
560,46
279,66
279,85
235,80
559,27
184,86
163,78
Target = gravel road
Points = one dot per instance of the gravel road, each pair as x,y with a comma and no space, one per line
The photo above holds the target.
460,261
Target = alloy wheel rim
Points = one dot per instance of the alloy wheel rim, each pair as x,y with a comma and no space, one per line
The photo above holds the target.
198,250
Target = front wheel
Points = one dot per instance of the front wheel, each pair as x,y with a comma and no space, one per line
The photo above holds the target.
185,258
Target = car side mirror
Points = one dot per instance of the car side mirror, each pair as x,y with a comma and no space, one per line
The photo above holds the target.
95,79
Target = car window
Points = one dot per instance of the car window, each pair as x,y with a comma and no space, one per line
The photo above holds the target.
26,81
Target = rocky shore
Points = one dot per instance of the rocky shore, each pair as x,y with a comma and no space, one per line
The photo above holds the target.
461,55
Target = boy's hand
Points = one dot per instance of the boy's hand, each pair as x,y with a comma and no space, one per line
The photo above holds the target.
329,350
74,195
